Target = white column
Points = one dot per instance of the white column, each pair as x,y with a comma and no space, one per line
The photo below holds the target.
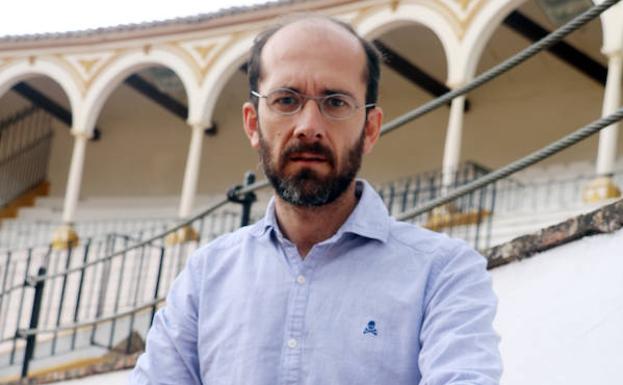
452,150
72,194
607,152
191,176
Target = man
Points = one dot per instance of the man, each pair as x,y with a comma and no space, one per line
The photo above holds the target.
326,288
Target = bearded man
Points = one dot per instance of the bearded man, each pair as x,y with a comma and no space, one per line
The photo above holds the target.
326,288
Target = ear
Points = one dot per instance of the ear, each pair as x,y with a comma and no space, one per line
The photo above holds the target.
372,128
251,125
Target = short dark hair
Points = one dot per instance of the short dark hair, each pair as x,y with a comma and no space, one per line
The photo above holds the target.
372,70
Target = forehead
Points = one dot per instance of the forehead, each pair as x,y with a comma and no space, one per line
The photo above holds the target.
314,54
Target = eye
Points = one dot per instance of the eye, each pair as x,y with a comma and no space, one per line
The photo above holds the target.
284,101
339,103
336,101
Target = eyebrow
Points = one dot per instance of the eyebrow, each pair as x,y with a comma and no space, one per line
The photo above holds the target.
325,92
337,91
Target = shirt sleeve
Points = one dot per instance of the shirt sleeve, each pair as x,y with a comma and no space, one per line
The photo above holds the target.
171,348
458,343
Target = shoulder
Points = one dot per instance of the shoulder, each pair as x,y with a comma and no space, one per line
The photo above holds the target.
220,249
439,249
422,240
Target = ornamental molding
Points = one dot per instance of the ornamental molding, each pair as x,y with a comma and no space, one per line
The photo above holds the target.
4,62
459,13
201,54
85,68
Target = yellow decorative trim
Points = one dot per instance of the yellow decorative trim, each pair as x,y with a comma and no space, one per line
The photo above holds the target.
462,22
449,216
464,3
147,49
360,15
182,235
233,38
393,4
32,60
65,237
600,189
188,58
204,50
86,82
88,64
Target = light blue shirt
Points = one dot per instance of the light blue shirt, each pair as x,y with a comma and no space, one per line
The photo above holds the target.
380,302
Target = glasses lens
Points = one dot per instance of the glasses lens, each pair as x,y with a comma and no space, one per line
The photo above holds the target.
338,106
284,101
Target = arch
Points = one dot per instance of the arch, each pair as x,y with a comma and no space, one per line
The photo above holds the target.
377,23
479,33
223,68
14,73
124,66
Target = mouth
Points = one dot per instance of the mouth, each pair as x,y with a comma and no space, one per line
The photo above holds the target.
304,157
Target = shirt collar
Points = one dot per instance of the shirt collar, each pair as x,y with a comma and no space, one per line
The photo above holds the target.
369,219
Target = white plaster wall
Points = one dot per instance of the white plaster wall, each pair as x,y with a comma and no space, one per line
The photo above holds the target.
560,314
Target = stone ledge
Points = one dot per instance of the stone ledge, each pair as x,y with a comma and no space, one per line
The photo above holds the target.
603,220
110,364
112,361
606,219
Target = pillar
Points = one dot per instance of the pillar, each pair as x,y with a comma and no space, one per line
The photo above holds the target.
65,236
452,149
189,187
603,186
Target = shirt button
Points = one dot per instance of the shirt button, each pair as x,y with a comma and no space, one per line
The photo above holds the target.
292,343
300,279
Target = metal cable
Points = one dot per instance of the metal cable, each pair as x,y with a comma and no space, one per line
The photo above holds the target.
503,67
491,74
517,165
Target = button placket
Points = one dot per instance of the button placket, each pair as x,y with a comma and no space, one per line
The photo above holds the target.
295,321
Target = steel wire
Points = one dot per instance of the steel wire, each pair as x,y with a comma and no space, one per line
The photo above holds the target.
487,76
517,165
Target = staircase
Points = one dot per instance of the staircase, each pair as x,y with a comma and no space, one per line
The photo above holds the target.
25,141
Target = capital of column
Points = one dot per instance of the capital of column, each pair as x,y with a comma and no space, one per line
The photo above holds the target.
184,234
77,133
600,189
65,237
613,54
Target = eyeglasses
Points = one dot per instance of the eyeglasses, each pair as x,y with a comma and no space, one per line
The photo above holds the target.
285,101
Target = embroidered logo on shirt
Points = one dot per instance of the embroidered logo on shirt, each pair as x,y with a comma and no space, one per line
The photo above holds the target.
371,328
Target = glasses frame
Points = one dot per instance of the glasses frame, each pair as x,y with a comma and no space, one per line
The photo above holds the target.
318,99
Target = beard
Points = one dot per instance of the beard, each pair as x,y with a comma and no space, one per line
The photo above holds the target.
306,188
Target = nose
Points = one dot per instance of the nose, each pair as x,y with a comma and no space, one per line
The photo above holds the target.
310,123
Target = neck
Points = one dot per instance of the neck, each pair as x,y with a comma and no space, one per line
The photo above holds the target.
306,226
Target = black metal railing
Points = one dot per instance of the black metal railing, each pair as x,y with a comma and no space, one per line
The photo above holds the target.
25,141
468,218
119,283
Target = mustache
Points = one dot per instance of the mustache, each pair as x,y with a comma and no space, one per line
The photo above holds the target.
312,148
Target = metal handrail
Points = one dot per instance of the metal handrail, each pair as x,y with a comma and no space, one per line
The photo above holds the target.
489,75
518,165
513,167
26,112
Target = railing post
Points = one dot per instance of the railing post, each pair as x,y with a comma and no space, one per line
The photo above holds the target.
246,200
31,339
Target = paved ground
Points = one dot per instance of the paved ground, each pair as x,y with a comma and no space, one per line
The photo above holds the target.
114,378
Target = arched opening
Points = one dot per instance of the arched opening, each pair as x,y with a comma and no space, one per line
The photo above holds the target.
416,54
540,101
142,152
228,155
35,139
